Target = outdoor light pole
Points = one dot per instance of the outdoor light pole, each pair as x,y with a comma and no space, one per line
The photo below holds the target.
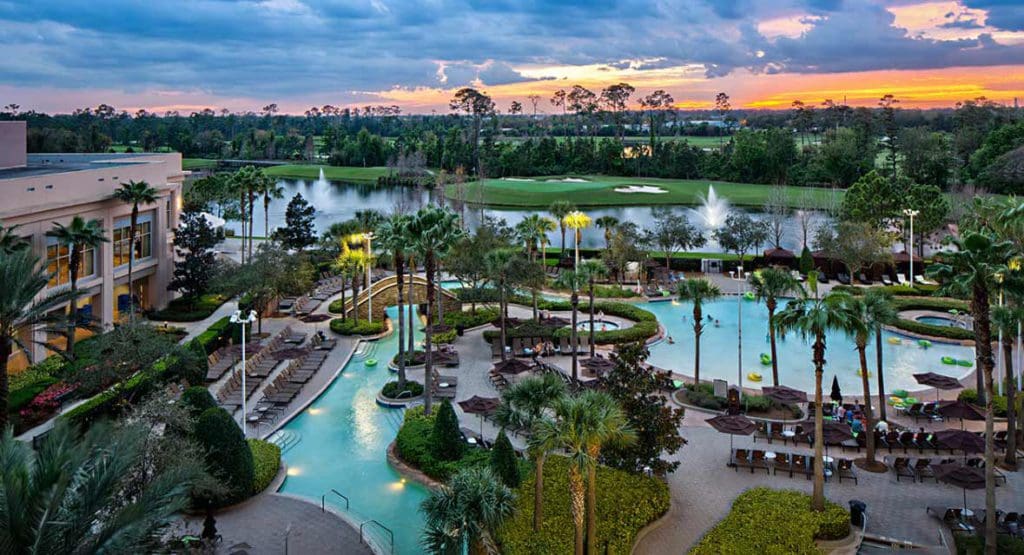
237,318
739,333
369,282
911,213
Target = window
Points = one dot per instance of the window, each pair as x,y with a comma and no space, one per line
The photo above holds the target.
122,239
58,263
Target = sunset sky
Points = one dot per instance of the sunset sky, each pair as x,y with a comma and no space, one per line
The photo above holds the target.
241,55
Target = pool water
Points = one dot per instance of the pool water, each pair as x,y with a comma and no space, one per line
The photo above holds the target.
599,325
939,321
344,437
719,357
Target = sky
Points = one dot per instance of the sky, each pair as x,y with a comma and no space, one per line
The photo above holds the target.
241,55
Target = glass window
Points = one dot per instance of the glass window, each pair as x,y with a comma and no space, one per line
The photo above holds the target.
58,263
122,239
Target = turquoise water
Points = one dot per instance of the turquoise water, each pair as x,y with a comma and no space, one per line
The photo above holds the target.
344,439
719,357
937,321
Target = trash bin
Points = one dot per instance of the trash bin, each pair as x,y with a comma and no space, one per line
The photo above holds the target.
857,510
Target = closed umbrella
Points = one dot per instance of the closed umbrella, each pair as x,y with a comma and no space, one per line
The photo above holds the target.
938,381
836,395
961,476
733,424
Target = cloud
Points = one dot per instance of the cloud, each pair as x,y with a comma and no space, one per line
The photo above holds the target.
1001,14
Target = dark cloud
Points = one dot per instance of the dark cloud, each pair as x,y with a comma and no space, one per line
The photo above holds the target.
1002,14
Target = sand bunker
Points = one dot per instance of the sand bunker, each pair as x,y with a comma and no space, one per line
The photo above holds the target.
517,179
649,189
569,180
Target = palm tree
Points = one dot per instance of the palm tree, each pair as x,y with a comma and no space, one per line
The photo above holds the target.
434,230
976,269
10,241
522,406
608,224
241,182
78,236
582,424
864,317
393,237
134,193
545,226
465,513
498,264
592,270
812,317
1007,321
769,285
24,281
560,209
271,190
698,291
353,262
573,280
577,221
530,230
878,297
66,497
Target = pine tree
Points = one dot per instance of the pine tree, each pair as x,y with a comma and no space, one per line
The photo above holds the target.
193,243
446,439
504,462
298,231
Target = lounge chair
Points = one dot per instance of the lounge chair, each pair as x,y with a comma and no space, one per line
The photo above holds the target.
797,275
564,347
886,280
802,464
757,461
822,278
864,278
902,279
923,468
844,469
784,462
740,458
952,517
843,278
915,411
903,469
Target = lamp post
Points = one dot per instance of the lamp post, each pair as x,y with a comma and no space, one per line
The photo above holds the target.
911,213
368,236
237,318
739,333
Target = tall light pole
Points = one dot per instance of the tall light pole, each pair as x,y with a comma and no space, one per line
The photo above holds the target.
237,318
739,333
911,213
368,236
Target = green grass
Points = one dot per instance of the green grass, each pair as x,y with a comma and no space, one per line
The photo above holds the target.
599,190
197,164
311,171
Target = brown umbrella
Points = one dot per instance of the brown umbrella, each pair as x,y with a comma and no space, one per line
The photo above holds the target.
961,410
961,476
783,394
938,381
832,431
733,424
598,364
313,318
481,406
556,321
779,254
958,439
512,366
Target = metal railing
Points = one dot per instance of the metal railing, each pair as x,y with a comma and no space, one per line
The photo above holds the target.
391,535
323,499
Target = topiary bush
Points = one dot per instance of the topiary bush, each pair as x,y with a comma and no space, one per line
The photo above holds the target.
504,461
197,400
350,327
446,436
227,455
702,395
266,459
391,390
414,446
764,520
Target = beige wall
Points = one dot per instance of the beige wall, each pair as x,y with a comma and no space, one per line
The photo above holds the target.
12,144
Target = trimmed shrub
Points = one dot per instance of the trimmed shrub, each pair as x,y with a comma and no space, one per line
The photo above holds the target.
413,445
444,337
335,306
917,290
941,304
757,403
703,396
415,358
26,391
446,436
350,327
764,520
946,332
968,544
184,309
392,391
626,504
215,336
970,395
197,400
466,319
227,454
504,462
266,459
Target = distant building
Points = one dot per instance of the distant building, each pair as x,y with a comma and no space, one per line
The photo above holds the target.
38,190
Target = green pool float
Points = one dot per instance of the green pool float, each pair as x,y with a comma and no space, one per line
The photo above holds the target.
370,362
749,295
924,343
766,359
901,393
965,363
948,360
911,401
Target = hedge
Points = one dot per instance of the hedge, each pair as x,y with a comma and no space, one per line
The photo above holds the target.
602,292
941,304
215,336
946,332
413,444
466,319
266,460
626,503
197,400
764,520
350,327
894,290
975,545
227,454
106,402
23,395
184,309
970,395
335,306
645,323
392,391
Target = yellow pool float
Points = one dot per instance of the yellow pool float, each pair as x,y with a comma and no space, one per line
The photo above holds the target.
895,340
859,373
754,377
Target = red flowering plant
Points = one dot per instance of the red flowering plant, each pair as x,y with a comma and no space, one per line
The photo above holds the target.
46,403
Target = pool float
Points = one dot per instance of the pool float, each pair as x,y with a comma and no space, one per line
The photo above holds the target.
676,384
754,377
749,295
911,401
766,359
370,362
895,340
948,360
859,372
965,363
899,403
893,400
924,343
901,393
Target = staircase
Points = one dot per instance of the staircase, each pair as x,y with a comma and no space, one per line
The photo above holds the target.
285,439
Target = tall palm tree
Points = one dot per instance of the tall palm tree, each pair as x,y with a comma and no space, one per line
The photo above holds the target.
559,209
466,513
66,497
530,230
881,318
393,237
1007,321
812,316
499,267
592,271
271,190
698,291
354,261
573,280
582,424
434,231
769,285
545,225
10,241
608,225
977,269
523,405
23,282
864,315
241,183
135,193
577,221
78,236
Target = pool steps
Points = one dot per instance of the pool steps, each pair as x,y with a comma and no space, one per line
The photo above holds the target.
285,439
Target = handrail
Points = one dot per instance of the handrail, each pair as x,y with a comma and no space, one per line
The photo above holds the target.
391,535
323,499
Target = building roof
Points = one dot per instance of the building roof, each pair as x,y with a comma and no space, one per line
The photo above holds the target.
48,164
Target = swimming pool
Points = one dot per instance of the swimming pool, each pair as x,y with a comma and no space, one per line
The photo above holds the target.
939,321
719,350
599,325
343,439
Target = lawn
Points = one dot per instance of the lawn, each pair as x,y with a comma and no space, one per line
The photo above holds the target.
311,171
197,164
599,190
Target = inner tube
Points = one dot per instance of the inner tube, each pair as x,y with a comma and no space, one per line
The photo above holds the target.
948,360
895,340
859,372
924,343
901,393
754,377
749,295
370,362
766,359
965,363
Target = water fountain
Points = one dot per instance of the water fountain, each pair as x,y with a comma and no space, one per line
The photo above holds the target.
713,210
321,180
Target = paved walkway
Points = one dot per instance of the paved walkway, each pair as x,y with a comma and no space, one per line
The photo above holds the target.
274,524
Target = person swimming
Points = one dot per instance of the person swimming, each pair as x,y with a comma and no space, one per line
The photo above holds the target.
717,323
671,341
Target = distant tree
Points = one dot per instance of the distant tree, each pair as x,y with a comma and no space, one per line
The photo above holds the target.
925,156
478,106
615,99
559,210
723,108
623,249
698,291
741,234
446,439
297,232
887,104
776,209
656,105
933,210
608,225
194,240
671,233
875,200
845,156
504,462
857,245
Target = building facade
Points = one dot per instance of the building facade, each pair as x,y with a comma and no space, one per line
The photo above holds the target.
47,189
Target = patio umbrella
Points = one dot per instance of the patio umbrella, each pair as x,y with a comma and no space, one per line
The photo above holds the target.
938,381
512,366
313,318
832,431
598,364
556,321
836,395
785,395
481,406
733,424
961,476
961,410
958,439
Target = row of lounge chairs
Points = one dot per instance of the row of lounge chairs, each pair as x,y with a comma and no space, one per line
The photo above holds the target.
927,411
256,370
224,359
923,468
960,522
524,347
289,336
321,343
443,387
791,463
